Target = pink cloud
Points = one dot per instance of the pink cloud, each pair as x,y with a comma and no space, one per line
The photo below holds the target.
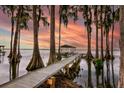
74,34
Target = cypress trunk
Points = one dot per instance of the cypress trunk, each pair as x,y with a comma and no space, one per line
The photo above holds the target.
97,48
59,54
36,60
14,59
121,78
112,41
113,19
52,58
89,54
89,30
112,57
107,56
12,33
101,22
19,54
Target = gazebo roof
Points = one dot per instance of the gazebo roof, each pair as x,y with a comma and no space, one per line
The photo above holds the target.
67,46
2,46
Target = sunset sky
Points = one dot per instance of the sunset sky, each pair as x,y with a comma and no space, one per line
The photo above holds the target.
75,34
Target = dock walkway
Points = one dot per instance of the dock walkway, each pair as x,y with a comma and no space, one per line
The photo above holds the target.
35,78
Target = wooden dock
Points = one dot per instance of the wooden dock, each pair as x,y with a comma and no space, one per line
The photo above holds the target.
35,78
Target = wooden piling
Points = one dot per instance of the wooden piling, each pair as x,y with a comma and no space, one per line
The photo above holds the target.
51,82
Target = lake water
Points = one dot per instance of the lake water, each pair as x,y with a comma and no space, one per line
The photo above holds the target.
82,80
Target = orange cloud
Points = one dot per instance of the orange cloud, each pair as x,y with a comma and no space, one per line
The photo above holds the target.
74,34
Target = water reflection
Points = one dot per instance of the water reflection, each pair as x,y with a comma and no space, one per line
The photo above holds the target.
113,76
103,81
104,74
89,74
14,68
99,70
110,76
107,80
82,77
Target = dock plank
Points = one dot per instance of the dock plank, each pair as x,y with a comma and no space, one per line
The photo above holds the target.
37,77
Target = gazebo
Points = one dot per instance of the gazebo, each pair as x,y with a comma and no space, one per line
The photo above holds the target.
2,53
68,49
2,48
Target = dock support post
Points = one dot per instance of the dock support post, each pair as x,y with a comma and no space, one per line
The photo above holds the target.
51,82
